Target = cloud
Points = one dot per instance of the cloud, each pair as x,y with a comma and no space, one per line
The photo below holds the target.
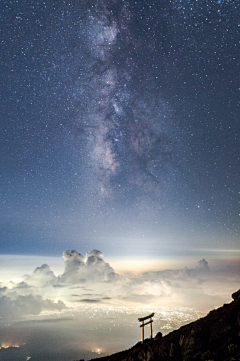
92,267
45,273
74,267
183,274
3,290
41,276
202,266
97,269
196,287
22,285
27,305
88,300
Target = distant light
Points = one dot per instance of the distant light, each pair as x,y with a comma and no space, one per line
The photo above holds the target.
7,346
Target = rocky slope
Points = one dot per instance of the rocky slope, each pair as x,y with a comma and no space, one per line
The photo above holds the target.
215,337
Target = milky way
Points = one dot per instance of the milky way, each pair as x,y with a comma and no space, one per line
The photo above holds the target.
128,124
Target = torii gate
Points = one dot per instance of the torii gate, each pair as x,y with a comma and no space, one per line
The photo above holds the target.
142,319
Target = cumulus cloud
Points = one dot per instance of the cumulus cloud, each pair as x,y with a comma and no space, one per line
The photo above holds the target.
27,305
74,266
202,266
96,268
197,287
41,276
22,285
92,267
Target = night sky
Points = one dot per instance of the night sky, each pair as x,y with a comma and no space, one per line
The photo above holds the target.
119,126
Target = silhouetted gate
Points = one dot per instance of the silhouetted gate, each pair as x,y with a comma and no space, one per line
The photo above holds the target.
142,319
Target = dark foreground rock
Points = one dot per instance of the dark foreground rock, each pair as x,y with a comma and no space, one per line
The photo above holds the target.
215,337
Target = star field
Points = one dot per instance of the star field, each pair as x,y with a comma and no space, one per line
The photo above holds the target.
119,126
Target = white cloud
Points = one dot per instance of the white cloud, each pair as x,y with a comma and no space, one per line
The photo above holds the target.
92,267
27,305
41,276
74,267
90,279
96,268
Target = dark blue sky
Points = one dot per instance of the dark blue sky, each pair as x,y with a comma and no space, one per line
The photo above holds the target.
119,126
